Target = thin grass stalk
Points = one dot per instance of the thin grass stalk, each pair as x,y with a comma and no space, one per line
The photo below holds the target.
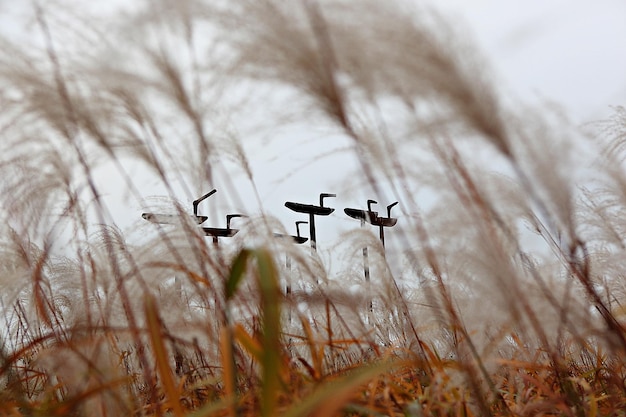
70,134
458,326
155,330
334,99
484,208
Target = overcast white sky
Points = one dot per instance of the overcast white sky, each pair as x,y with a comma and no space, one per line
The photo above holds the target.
566,52
570,52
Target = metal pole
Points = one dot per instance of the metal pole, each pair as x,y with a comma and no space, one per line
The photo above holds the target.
312,232
366,266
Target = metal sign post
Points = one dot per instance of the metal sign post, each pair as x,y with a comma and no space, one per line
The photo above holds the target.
312,211
383,222
214,232
364,216
298,240
374,219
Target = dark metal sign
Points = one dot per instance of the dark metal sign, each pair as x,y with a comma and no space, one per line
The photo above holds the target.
312,211
365,216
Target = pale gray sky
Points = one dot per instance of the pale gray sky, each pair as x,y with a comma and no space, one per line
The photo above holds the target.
571,52
567,52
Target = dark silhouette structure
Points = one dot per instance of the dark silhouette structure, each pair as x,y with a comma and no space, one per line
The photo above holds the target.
312,211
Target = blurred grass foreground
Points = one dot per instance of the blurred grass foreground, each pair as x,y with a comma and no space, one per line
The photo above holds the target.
504,299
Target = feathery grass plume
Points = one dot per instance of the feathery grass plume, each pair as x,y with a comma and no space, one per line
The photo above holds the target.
613,131
327,48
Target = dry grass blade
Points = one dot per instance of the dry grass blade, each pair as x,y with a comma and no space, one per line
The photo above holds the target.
253,346
229,369
316,350
212,408
155,331
336,394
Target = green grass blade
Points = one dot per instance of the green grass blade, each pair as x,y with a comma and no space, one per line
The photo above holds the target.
270,307
237,271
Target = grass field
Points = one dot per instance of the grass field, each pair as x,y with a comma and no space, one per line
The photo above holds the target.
507,299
